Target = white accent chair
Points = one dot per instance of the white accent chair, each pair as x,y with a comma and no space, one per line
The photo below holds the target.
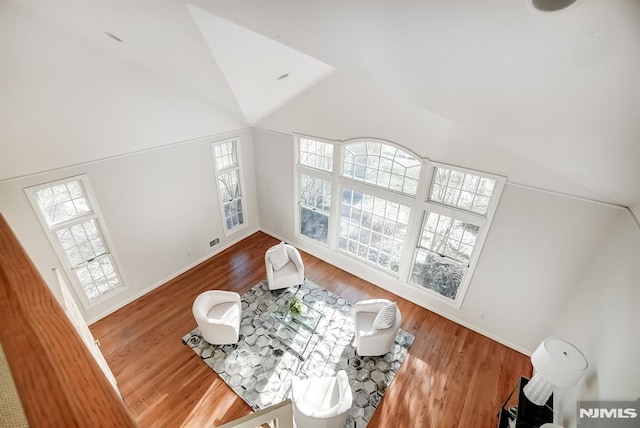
291,274
371,341
321,402
217,313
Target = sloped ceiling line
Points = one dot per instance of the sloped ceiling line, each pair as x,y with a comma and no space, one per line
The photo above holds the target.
263,74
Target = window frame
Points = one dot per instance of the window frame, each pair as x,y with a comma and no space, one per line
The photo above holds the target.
50,231
421,165
419,206
457,213
366,189
322,174
234,168
300,205
338,185
475,193
387,194
297,148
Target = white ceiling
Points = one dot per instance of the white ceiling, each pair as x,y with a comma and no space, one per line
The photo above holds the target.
558,89
262,73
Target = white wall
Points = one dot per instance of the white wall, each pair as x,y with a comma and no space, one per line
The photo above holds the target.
602,317
4,106
635,210
66,100
533,258
160,207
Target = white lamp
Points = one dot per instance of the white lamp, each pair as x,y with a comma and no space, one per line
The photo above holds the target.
557,363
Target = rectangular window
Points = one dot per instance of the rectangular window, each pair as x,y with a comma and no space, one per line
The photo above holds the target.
315,154
227,169
69,217
444,253
314,207
459,208
373,229
462,190
314,177
447,237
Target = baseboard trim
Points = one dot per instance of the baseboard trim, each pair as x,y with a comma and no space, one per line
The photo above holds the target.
247,232
400,293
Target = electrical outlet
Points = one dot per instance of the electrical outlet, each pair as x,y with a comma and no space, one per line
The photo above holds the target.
214,242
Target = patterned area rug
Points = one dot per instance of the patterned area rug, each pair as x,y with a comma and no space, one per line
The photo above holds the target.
260,367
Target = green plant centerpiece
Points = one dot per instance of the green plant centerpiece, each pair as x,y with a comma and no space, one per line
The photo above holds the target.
295,307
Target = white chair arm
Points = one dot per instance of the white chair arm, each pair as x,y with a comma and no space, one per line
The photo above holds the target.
365,334
268,267
215,297
373,305
346,396
300,389
294,256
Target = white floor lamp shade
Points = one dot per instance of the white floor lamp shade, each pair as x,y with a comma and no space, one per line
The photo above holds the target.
557,363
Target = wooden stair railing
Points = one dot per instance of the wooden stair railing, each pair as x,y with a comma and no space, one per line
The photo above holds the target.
57,379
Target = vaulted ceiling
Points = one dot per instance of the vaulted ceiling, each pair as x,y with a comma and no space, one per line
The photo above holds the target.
559,90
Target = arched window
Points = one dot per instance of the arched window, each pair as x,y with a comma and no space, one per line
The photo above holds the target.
373,220
383,165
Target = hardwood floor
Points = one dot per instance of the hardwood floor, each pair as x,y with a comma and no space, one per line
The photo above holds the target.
452,376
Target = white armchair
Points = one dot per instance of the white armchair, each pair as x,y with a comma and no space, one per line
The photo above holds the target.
322,402
217,313
292,273
371,341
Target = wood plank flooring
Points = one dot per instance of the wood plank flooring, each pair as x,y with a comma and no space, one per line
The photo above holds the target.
452,376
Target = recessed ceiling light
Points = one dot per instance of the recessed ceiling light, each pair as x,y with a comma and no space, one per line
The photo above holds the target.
113,36
551,5
284,76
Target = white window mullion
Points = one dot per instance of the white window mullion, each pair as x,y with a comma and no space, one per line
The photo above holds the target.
297,172
94,259
454,213
68,223
301,169
376,191
336,199
415,222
